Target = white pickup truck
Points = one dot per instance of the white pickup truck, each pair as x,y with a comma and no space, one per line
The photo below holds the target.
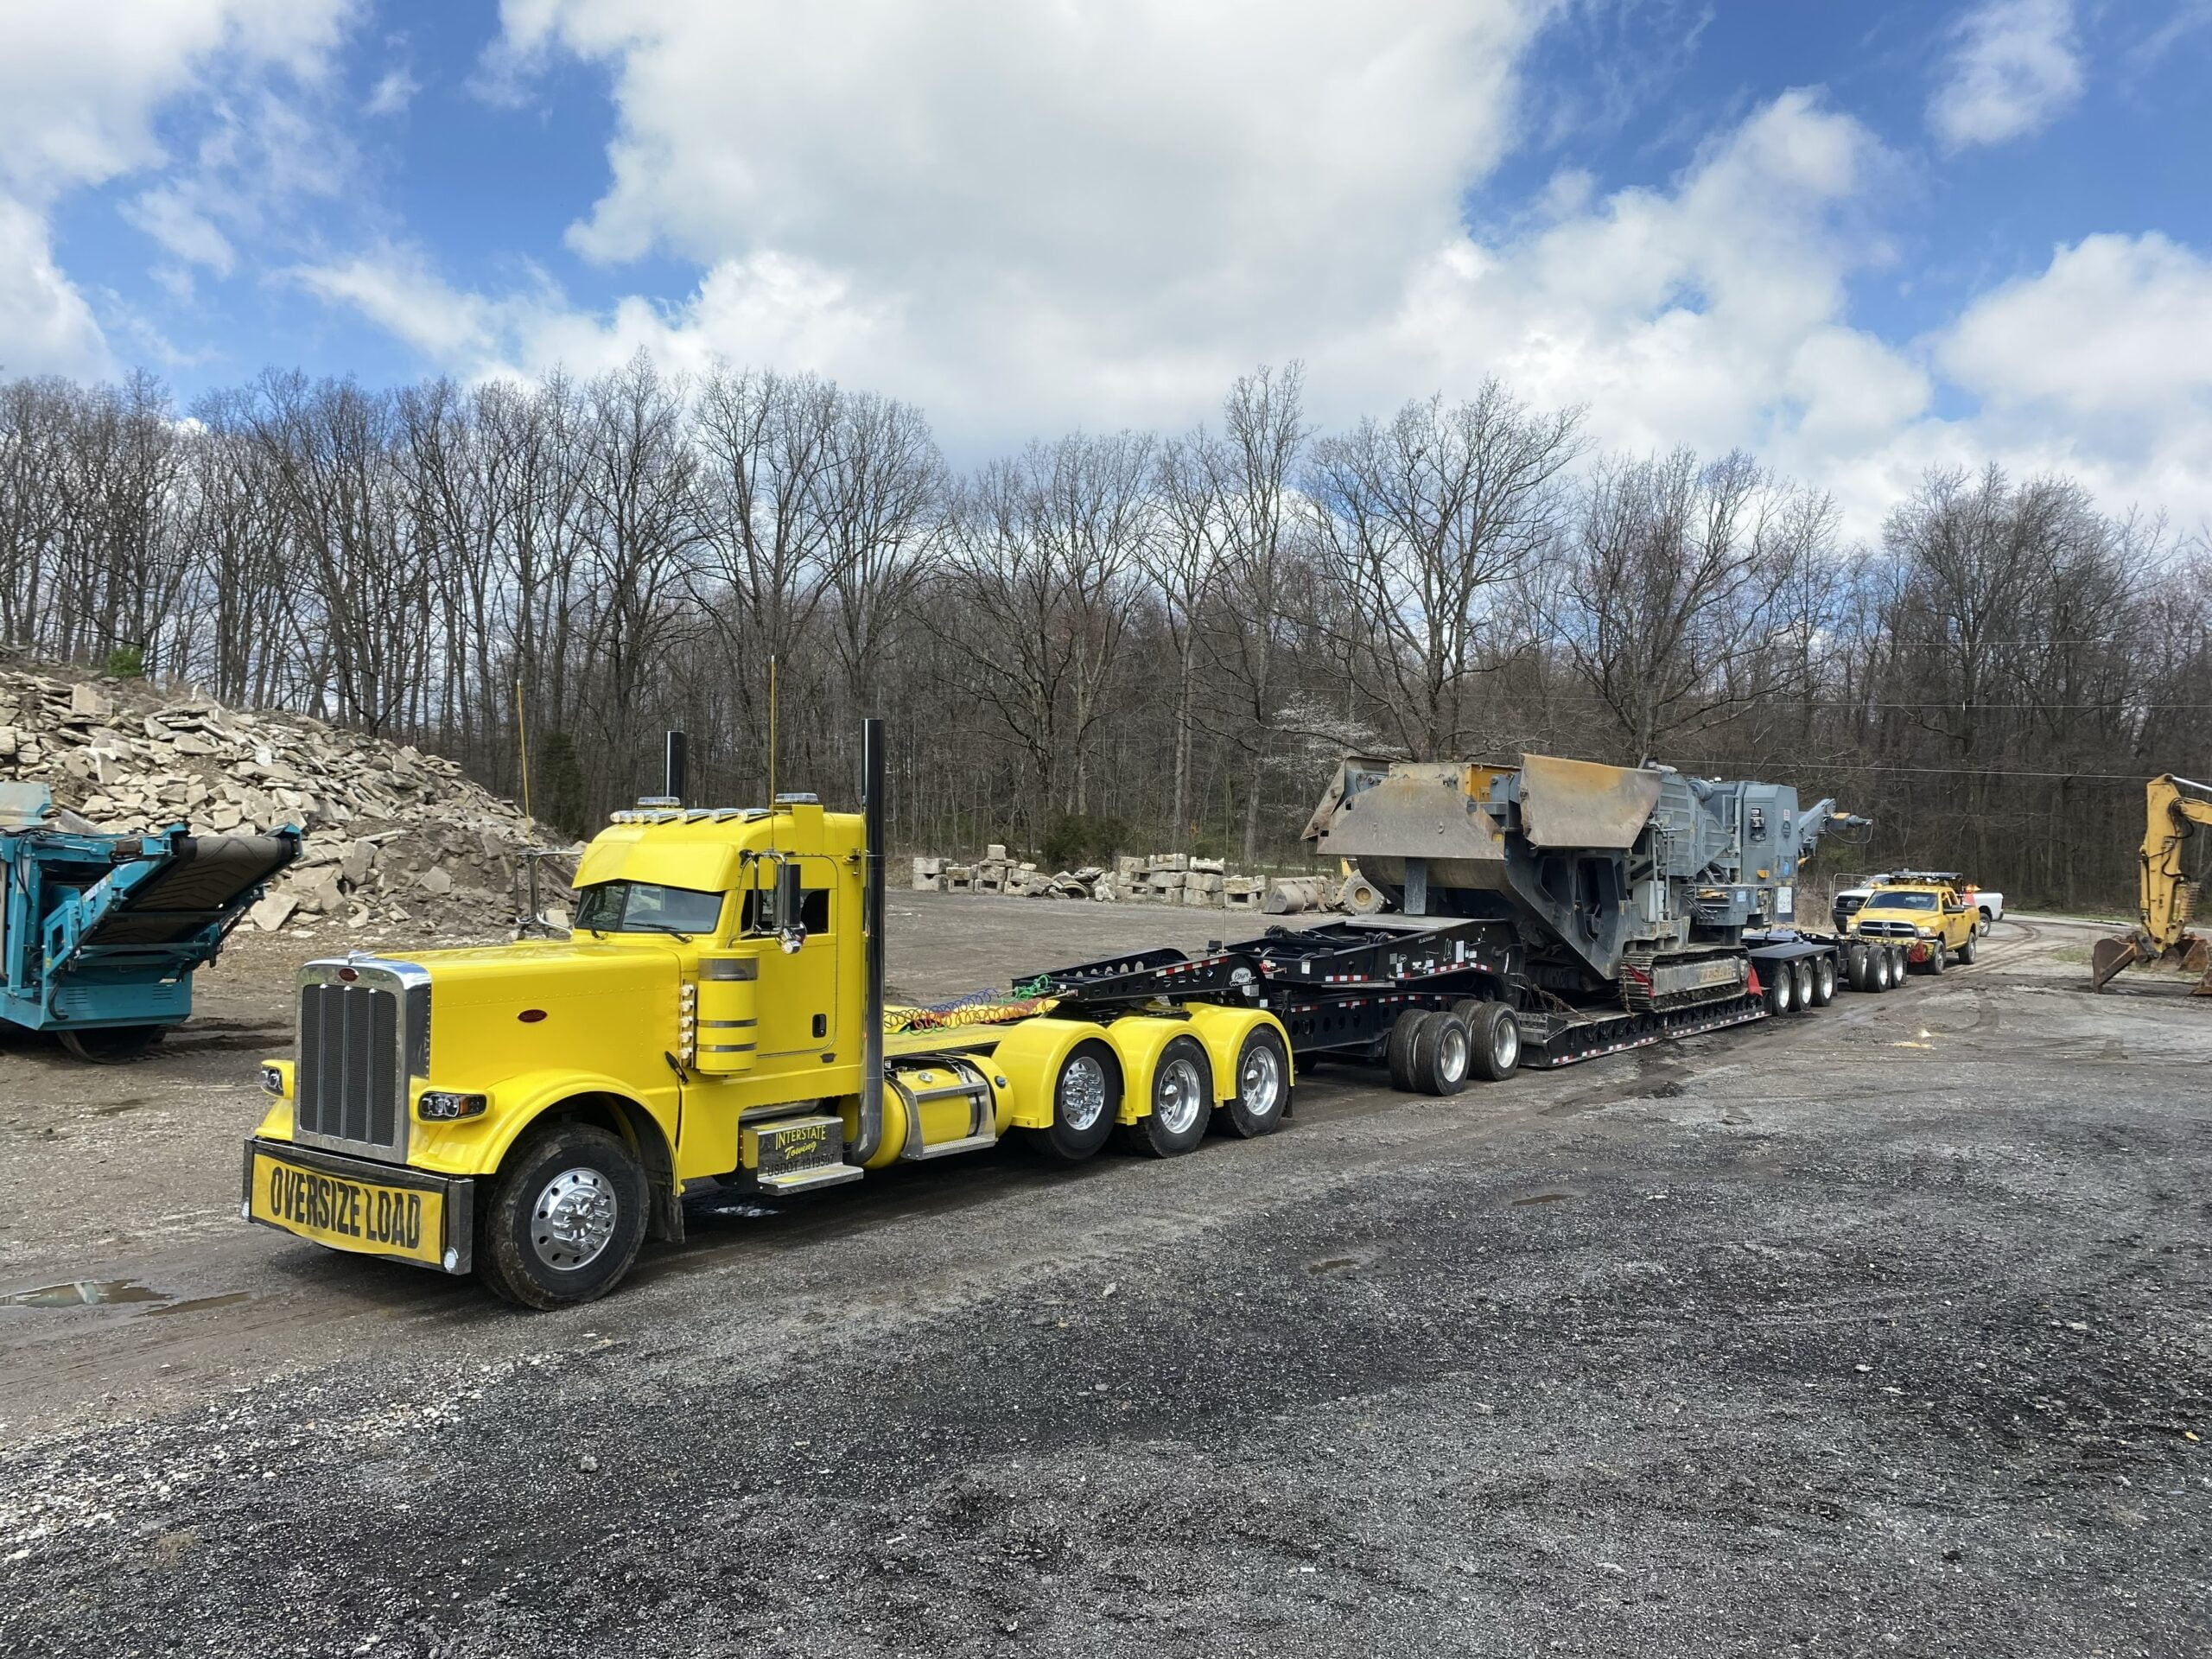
1849,900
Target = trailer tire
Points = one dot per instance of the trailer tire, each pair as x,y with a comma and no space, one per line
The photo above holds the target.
1399,1054
1900,964
1442,1051
1855,966
1086,1104
112,1045
567,1216
1182,1102
1781,988
1802,972
1494,1039
1823,981
1262,1096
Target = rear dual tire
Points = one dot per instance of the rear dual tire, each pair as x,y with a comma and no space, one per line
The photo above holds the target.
1183,1095
1435,1052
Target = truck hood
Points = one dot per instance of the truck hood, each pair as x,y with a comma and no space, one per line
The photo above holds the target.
537,972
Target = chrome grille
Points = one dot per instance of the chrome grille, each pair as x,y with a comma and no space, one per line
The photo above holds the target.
1887,930
350,1084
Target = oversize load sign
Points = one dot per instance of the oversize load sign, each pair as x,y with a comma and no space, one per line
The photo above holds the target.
363,1216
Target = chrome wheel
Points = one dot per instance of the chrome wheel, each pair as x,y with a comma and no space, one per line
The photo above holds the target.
1507,1046
1179,1096
1082,1092
1452,1051
573,1219
1259,1085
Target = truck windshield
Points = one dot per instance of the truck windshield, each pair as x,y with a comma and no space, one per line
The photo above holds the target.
646,907
1903,900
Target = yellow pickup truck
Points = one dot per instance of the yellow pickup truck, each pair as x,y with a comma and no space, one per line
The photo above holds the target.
1931,920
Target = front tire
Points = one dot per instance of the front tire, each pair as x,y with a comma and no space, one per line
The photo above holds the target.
1938,959
566,1218
1086,1104
1262,1098
1182,1102
1970,949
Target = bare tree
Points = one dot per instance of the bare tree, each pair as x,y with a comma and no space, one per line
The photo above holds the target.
1421,521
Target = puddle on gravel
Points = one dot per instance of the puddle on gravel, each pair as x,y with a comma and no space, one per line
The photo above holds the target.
85,1292
107,1293
1334,1264
1545,1197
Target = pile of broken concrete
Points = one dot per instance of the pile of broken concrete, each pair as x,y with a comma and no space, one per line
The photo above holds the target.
393,837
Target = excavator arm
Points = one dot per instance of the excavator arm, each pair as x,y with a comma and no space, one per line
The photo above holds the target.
2173,809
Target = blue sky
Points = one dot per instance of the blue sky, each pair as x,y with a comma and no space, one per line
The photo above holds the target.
1859,238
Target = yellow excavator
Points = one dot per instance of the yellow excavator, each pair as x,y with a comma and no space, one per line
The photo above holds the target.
2174,808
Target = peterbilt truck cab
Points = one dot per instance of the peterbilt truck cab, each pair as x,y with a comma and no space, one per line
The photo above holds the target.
531,1112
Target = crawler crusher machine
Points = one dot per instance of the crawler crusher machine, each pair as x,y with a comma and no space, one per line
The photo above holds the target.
1640,883
99,934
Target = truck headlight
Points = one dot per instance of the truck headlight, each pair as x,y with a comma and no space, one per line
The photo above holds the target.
1925,933
443,1105
272,1080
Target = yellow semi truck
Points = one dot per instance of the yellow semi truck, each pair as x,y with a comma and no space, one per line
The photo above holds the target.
531,1112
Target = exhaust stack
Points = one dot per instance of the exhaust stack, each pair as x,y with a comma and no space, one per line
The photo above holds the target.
871,919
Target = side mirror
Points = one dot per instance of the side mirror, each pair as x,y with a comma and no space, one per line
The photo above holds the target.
789,906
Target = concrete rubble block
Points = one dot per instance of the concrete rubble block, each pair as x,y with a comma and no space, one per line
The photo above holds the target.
1202,898
995,853
1176,862
1128,865
273,911
1208,866
1204,880
1242,899
1169,880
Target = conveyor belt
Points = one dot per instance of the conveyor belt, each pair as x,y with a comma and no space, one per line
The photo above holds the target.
192,890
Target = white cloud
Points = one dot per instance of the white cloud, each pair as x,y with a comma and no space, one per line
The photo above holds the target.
2101,365
46,327
394,90
2015,70
1085,218
165,215
80,87
1019,230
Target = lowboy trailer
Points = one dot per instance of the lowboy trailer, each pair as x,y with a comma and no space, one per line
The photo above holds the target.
1445,1002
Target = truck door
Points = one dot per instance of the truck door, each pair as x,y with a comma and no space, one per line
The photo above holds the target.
799,988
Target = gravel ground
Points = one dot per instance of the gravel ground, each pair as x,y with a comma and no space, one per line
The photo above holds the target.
1885,1331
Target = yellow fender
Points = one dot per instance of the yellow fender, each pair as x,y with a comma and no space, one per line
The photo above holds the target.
476,1146
1029,1057
1224,1031
1140,1041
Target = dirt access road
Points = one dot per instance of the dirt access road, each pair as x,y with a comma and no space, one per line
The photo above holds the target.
1882,1330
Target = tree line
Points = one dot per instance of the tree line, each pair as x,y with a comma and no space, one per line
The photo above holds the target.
1128,640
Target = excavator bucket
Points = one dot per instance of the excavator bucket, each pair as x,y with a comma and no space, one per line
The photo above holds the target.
2196,958
2110,956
